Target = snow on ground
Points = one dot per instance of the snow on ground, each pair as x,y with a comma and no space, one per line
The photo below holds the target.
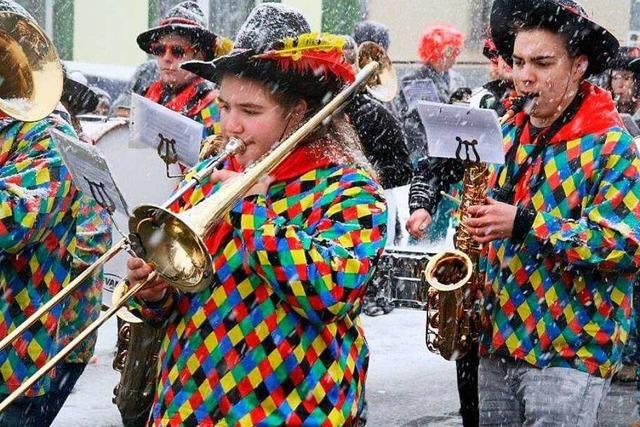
406,385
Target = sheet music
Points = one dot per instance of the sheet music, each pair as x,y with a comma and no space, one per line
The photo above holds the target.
150,121
461,130
419,90
90,172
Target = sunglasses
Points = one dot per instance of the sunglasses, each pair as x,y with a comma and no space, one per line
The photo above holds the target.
177,51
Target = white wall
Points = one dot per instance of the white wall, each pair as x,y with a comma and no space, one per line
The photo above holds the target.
105,31
311,9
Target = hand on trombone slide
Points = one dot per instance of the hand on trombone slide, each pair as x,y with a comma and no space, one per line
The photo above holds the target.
139,270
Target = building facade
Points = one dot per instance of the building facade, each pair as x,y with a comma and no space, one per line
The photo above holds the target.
105,31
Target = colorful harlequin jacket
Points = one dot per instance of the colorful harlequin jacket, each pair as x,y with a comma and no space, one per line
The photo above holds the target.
38,207
277,340
562,296
197,100
82,307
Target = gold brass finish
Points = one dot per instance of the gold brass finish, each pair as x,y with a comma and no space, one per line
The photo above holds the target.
453,280
174,243
30,69
383,85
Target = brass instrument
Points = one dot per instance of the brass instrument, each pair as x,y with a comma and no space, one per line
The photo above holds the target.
454,285
30,69
452,314
173,243
384,84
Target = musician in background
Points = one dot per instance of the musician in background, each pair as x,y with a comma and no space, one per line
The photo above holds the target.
183,36
624,85
38,237
624,81
277,339
439,48
561,227
383,144
498,92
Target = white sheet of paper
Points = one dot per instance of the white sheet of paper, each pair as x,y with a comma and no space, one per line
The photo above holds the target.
445,123
419,90
90,171
149,120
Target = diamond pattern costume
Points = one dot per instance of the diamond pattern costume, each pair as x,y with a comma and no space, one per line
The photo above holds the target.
38,207
277,340
562,297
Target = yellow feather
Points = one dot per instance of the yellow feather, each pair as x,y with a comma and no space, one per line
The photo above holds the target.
309,41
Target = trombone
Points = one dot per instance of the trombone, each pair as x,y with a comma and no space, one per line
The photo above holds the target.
174,243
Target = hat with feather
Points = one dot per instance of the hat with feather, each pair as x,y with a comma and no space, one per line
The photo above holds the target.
275,45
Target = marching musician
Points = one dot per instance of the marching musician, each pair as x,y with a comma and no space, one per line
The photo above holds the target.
379,131
435,176
439,48
277,339
39,245
183,36
93,238
561,227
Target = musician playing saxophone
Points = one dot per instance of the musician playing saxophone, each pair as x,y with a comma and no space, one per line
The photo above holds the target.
276,340
561,227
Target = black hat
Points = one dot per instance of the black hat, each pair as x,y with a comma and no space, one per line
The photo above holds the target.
185,19
264,50
592,40
628,59
12,6
371,31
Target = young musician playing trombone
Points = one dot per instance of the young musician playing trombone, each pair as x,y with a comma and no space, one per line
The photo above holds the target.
561,227
277,339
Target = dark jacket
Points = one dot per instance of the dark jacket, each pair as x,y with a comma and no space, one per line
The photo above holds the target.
382,140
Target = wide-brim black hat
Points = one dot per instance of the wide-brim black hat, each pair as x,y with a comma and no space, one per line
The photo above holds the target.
628,59
593,40
187,20
264,30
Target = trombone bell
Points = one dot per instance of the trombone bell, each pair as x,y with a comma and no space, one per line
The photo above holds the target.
173,247
30,69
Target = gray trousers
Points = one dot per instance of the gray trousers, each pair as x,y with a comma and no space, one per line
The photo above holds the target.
514,393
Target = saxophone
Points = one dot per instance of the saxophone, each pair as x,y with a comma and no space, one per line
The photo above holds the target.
454,283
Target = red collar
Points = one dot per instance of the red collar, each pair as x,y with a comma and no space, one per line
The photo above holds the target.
302,160
184,98
596,115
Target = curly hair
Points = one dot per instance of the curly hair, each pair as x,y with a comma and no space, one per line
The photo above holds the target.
437,40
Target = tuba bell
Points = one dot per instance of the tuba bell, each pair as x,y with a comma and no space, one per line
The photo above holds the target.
30,70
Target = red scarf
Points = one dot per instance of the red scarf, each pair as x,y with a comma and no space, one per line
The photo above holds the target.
183,98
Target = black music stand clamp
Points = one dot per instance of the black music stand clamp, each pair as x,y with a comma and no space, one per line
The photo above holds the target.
167,151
